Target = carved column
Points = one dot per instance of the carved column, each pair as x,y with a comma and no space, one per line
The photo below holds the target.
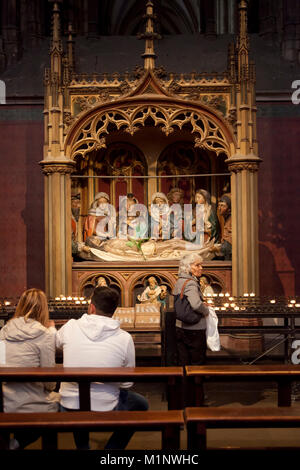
57,169
58,250
244,203
243,166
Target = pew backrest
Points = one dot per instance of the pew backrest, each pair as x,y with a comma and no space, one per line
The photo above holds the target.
171,376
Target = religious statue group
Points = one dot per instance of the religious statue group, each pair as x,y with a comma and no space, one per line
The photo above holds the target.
167,231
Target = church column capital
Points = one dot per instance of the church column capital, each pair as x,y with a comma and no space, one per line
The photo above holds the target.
248,163
61,167
237,167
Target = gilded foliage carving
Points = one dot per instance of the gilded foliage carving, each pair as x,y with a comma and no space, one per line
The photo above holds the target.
90,101
236,167
208,133
68,118
231,118
215,101
51,168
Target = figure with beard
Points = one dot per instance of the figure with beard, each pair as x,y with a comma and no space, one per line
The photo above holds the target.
224,209
79,249
176,201
152,291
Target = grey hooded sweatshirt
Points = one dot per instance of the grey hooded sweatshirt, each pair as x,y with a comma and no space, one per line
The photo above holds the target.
193,292
28,344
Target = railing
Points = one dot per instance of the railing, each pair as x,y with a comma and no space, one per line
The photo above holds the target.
227,307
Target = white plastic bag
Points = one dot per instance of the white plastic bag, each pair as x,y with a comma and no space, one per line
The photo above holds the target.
212,334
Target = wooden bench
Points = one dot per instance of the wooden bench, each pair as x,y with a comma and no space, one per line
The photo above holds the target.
171,376
168,422
198,420
283,374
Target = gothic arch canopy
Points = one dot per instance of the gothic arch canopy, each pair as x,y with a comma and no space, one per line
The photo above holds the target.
217,109
89,132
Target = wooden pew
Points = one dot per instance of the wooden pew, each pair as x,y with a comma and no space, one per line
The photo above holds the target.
171,376
198,420
168,422
283,374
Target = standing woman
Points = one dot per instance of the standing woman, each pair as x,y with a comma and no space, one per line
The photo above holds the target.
211,222
191,339
29,341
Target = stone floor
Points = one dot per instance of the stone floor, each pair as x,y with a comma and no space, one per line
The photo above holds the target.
217,394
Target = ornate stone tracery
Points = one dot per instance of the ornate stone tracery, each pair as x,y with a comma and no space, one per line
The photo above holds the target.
130,119
216,110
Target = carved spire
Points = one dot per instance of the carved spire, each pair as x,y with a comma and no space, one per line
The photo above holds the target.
231,62
56,43
56,50
70,48
149,54
243,40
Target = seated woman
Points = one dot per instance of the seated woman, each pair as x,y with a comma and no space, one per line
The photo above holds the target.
29,341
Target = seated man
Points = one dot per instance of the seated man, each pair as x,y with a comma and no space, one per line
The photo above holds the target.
96,340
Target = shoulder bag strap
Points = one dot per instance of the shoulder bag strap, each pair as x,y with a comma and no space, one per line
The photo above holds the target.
183,287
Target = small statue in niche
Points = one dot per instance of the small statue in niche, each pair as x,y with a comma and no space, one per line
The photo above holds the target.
152,291
79,249
206,288
162,298
224,251
101,282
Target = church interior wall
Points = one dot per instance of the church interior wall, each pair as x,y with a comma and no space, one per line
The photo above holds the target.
276,55
22,194
21,189
279,200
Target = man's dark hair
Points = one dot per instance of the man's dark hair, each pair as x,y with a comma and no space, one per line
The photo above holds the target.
105,300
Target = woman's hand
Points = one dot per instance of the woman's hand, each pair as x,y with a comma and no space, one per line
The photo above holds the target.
50,323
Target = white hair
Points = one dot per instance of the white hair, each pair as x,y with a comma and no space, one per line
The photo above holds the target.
186,261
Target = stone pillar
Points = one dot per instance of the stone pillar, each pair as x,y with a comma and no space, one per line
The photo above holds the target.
291,29
10,31
58,236
268,21
210,18
93,18
245,258
244,207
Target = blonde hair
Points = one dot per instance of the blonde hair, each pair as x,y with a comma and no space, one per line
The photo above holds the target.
33,305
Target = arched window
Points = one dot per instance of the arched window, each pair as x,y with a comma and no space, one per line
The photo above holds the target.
183,158
117,160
